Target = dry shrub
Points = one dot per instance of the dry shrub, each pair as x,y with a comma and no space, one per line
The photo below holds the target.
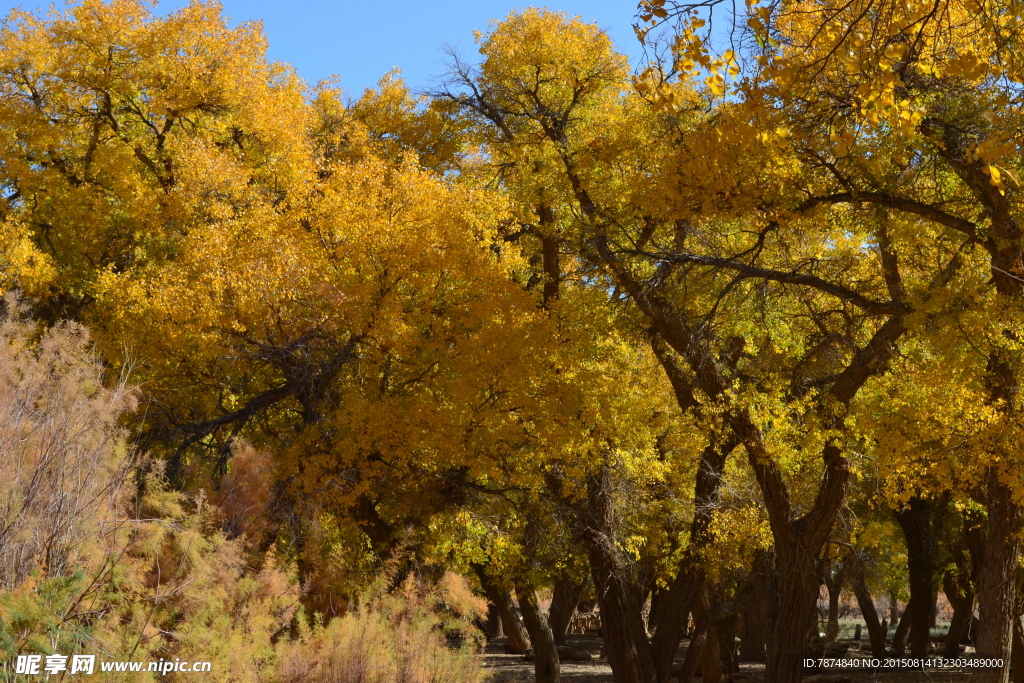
184,590
63,457
86,565
399,637
244,494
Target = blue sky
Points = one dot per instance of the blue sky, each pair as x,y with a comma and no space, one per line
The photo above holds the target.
361,41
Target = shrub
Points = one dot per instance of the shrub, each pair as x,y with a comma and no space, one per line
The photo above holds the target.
397,637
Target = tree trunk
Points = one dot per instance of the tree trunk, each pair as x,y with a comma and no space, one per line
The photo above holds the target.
618,593
899,638
797,615
963,610
1017,655
677,602
695,649
997,579
876,633
710,658
727,655
919,519
492,625
961,596
834,584
756,617
501,599
546,666
566,597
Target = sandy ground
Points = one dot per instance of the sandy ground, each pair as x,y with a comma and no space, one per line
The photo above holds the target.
506,668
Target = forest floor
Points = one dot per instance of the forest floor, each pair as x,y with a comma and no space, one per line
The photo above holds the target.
506,668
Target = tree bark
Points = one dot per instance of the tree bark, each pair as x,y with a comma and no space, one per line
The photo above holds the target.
919,519
492,625
899,637
546,666
618,593
566,597
961,596
834,584
876,634
711,658
797,615
698,639
800,540
1017,655
756,624
727,654
501,599
997,579
677,602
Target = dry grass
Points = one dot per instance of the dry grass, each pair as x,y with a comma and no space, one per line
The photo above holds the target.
399,638
63,457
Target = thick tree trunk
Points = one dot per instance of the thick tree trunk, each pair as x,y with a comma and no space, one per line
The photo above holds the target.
834,584
677,602
961,596
618,593
797,615
546,666
710,658
501,599
756,625
997,579
566,597
919,519
727,654
876,633
963,610
695,650
492,625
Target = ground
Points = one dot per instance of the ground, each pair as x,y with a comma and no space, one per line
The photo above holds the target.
506,668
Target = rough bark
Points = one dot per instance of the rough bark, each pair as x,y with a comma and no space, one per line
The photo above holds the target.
546,666
618,593
961,596
876,633
501,599
566,597
899,637
492,625
677,602
727,654
756,624
834,584
997,579
1017,655
701,624
797,615
919,520
711,658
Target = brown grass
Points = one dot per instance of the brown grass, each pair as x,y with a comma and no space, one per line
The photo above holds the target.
63,457
398,638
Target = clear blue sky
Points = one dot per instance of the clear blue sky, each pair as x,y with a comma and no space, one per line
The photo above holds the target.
361,41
